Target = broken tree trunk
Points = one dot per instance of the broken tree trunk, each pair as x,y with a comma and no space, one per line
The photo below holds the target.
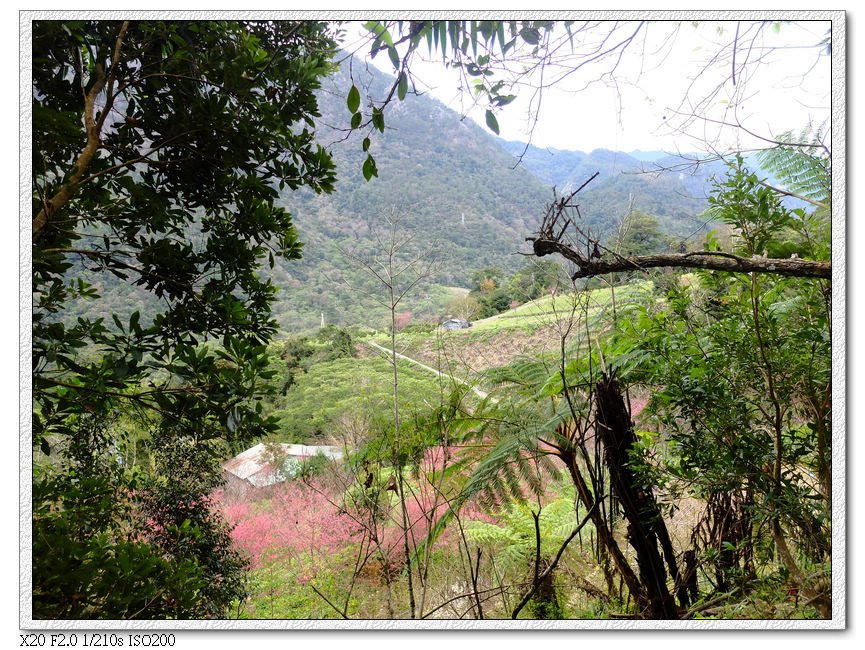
646,528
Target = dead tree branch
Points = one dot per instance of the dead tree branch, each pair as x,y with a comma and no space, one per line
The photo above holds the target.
562,215
714,261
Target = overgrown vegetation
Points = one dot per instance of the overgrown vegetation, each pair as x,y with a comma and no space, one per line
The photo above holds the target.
653,442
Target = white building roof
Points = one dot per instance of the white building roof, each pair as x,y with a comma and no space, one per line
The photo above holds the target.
251,465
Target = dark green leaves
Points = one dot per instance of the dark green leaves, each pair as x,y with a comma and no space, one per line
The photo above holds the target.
503,100
378,119
353,99
184,232
393,55
744,202
369,168
492,122
382,35
530,35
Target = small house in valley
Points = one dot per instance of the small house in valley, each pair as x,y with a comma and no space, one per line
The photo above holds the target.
456,324
267,464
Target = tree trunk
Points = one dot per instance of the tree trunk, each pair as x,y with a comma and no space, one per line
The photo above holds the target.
645,524
93,127
605,535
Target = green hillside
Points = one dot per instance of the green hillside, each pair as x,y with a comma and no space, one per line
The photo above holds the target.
456,191
461,198
533,329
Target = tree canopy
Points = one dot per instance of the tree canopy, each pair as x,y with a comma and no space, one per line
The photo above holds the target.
159,149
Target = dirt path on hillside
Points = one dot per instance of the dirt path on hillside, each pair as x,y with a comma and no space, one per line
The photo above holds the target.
389,352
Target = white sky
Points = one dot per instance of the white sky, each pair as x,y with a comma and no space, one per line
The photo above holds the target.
632,108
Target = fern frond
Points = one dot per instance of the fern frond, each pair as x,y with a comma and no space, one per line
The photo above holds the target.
801,163
524,376
492,483
512,540
517,465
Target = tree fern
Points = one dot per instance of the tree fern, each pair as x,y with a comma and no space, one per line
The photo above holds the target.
524,377
494,482
519,460
512,541
802,163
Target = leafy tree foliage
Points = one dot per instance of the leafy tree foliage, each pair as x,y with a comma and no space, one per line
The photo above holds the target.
494,293
296,355
159,150
177,515
730,414
639,234
192,127
740,369
91,557
535,278
463,307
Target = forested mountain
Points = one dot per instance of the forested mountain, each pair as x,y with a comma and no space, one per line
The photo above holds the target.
676,198
459,193
464,195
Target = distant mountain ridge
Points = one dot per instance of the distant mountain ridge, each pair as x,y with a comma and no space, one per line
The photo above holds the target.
456,190
647,156
624,181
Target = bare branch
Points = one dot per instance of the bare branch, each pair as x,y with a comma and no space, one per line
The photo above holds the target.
585,252
587,268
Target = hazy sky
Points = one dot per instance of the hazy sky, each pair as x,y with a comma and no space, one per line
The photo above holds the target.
639,103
